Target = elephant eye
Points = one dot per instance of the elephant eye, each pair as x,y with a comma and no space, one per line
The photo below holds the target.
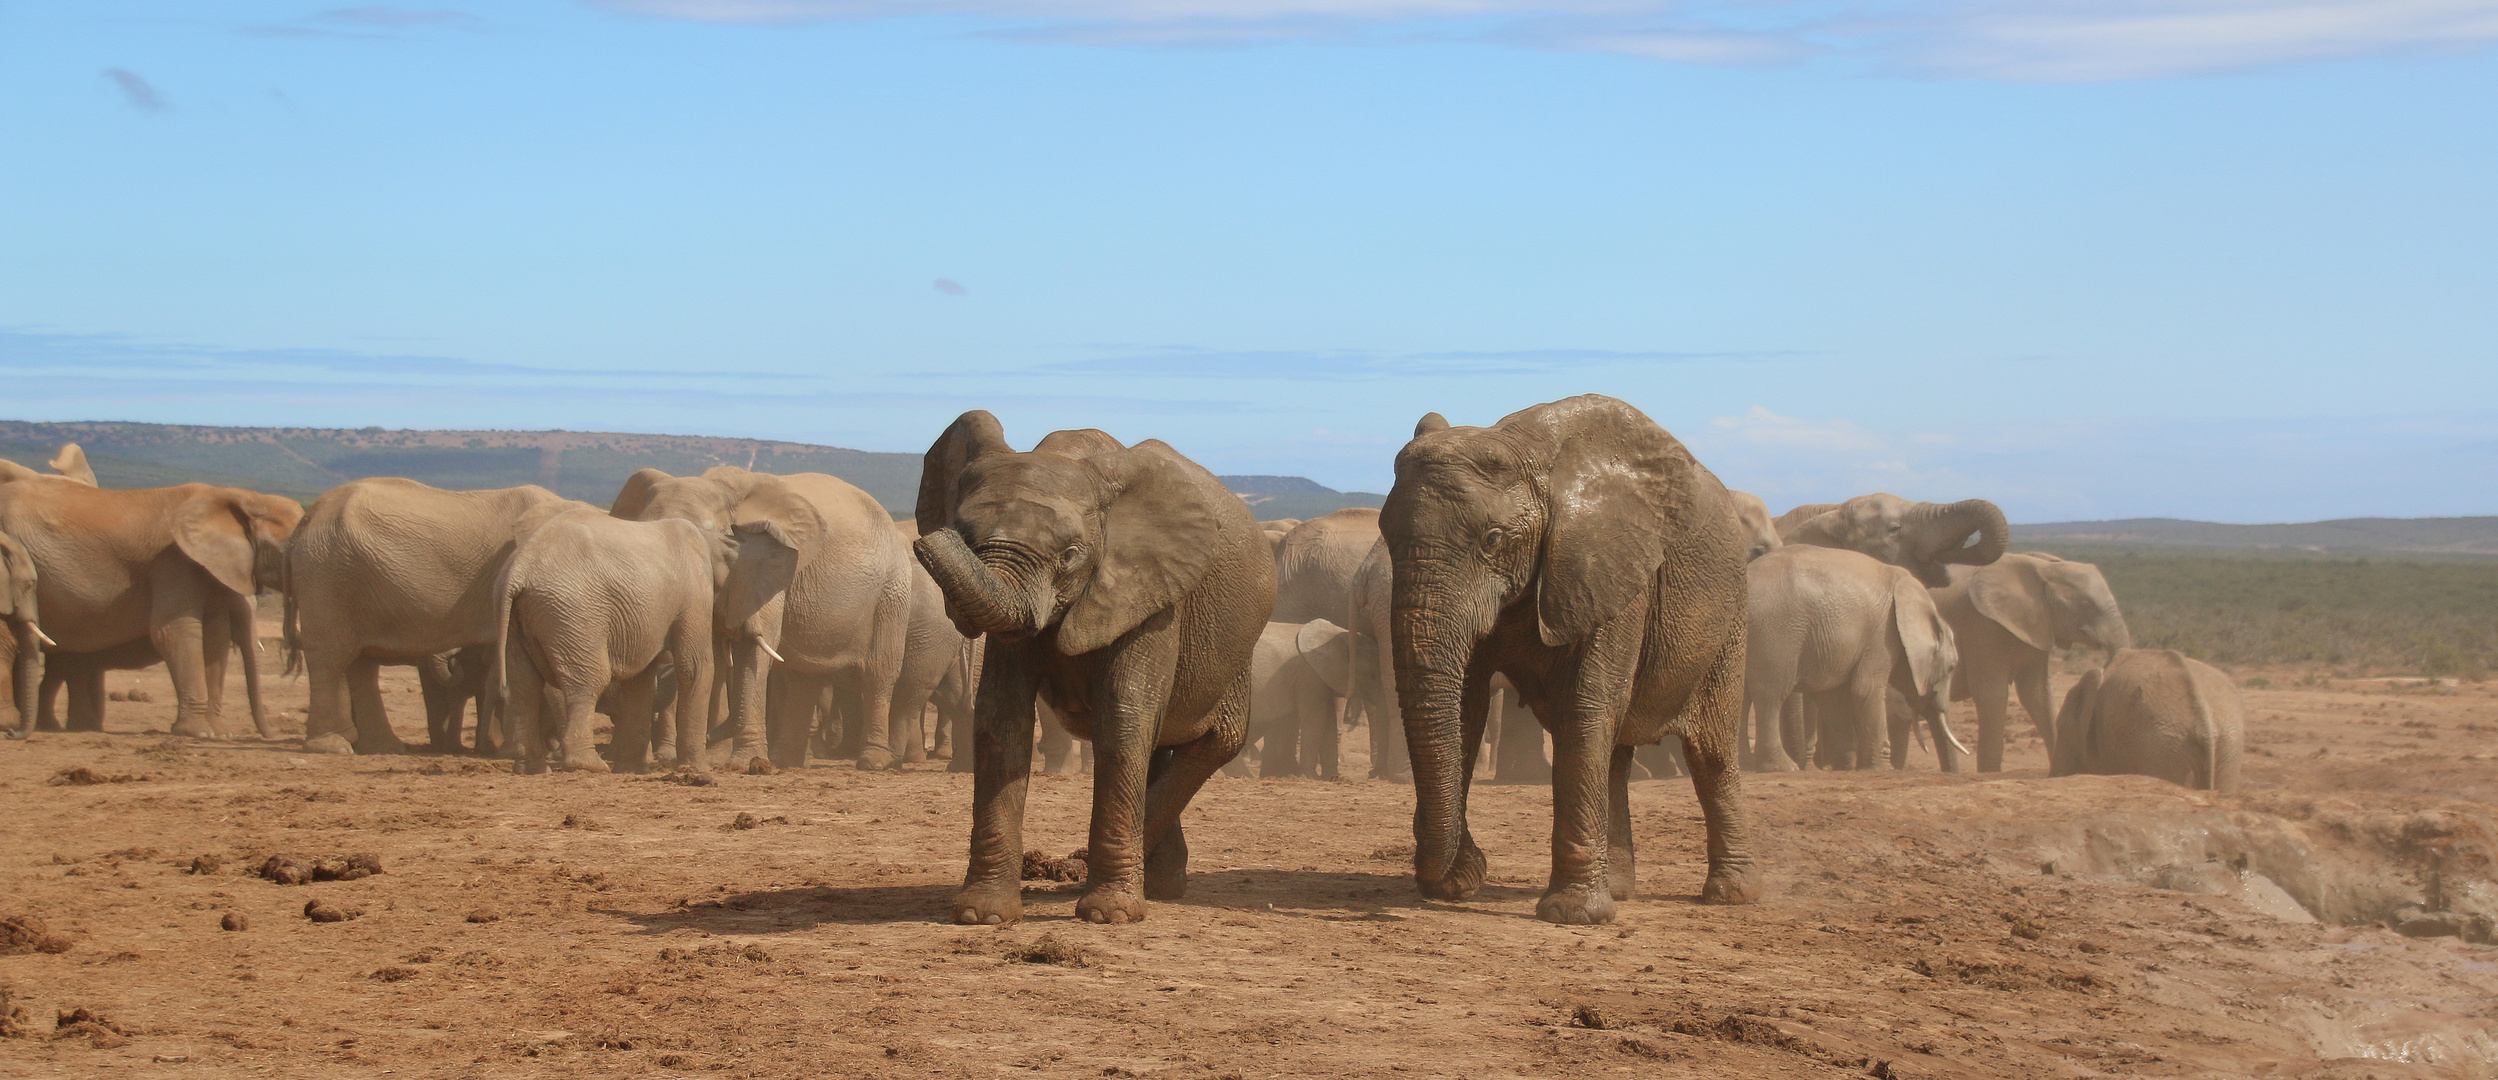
1493,536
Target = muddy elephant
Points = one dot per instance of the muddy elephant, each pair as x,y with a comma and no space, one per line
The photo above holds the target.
1845,630
1295,677
391,571
820,592
2153,712
1128,588
1924,538
587,598
1577,548
2009,617
20,612
169,567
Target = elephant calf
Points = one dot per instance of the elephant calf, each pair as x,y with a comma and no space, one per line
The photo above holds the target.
1295,676
2152,712
587,598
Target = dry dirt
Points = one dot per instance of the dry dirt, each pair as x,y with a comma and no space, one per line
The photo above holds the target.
1915,925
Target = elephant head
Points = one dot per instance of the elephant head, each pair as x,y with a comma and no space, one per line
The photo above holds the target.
1328,649
770,529
1932,655
1078,536
238,536
17,611
1575,502
1753,516
1922,537
2050,603
2077,727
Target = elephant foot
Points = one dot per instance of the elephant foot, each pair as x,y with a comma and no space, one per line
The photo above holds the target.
1575,905
1465,875
329,744
982,905
1111,904
961,764
1166,869
588,763
875,759
384,743
1622,882
195,729
1732,885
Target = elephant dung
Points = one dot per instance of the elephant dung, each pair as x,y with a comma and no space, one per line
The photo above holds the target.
1040,867
28,934
324,912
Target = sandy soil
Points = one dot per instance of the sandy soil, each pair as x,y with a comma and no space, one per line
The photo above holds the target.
1916,925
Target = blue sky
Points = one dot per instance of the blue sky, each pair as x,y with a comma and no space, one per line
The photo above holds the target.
2225,259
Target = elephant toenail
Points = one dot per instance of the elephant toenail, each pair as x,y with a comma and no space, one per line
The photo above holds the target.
993,920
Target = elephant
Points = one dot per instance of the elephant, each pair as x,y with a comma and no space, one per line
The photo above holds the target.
1128,588
1922,537
1374,672
391,571
1576,547
449,681
1753,515
2009,616
1276,531
82,674
174,567
1295,677
587,598
820,591
1845,629
954,699
2153,712
20,611
1316,562
70,463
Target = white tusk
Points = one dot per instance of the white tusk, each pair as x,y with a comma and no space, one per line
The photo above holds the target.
45,638
1954,736
767,648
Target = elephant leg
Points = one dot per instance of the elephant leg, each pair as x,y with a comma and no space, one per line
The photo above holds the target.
1001,736
1864,722
329,712
1518,755
1129,696
1580,891
1177,774
1621,859
1938,721
2031,684
1990,695
178,638
1661,760
364,693
525,710
1056,744
1795,730
693,686
86,698
1899,722
1279,740
748,679
664,713
632,725
878,734
442,704
1710,749
47,694
216,641
1318,737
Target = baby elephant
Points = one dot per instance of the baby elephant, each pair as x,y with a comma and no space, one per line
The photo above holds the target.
2152,712
587,598
1295,676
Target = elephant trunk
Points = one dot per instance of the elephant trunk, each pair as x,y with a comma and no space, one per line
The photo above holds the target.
1981,517
2113,636
27,675
1433,653
980,603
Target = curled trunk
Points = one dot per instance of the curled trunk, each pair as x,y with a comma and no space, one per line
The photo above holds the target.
973,593
1973,516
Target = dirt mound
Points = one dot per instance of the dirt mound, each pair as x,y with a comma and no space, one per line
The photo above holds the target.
28,934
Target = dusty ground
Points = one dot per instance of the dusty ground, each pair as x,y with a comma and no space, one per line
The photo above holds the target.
1916,925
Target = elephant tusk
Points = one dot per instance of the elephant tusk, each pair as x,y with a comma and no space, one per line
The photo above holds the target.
45,638
1954,736
770,651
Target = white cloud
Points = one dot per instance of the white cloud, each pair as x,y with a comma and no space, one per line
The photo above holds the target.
2032,40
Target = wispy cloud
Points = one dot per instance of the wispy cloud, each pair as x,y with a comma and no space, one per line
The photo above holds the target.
2037,40
137,91
370,22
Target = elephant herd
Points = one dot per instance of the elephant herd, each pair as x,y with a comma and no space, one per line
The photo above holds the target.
1570,571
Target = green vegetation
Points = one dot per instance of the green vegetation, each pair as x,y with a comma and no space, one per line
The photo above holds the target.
2405,614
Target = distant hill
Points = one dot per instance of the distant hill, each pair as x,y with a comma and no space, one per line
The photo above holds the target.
2423,536
302,463
1274,497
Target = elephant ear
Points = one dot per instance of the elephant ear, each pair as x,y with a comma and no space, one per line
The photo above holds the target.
2077,727
1329,650
1923,634
72,462
972,435
17,574
1160,530
212,530
2011,592
635,496
1787,523
1611,493
772,508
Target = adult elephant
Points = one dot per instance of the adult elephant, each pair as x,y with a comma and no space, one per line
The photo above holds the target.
2153,712
1922,537
2008,617
391,571
70,463
19,611
1316,562
820,591
170,567
1374,668
1845,630
1577,548
1752,515
1127,587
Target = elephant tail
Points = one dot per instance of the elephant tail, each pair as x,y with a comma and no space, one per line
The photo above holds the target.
498,677
291,637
